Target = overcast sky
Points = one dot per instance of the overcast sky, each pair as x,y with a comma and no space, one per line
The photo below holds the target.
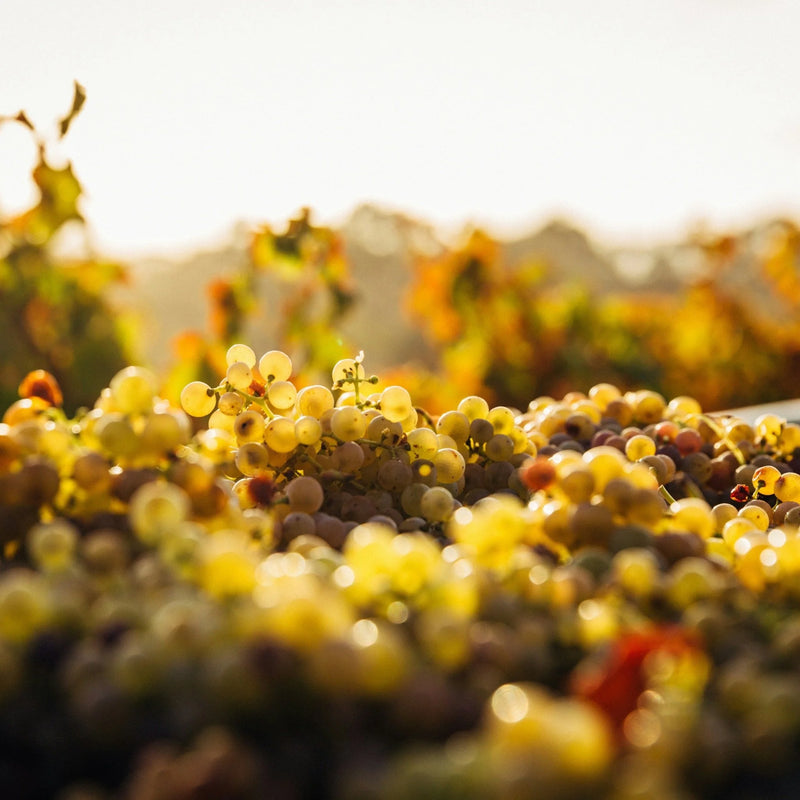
634,118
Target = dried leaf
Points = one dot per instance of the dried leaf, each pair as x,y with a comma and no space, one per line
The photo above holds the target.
78,99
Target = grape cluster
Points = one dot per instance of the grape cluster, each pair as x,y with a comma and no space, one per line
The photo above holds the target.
324,592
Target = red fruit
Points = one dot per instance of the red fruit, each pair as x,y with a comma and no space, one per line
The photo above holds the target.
616,683
538,473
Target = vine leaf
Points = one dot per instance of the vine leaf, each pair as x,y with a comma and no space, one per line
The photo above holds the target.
20,117
78,99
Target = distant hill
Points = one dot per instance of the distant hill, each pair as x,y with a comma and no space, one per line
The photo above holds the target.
170,295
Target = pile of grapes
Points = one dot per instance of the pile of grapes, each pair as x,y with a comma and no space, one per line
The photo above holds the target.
282,592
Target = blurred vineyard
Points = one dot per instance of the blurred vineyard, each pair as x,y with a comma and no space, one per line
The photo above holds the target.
493,325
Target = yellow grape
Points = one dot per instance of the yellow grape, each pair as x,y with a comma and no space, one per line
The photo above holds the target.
198,399
275,365
240,352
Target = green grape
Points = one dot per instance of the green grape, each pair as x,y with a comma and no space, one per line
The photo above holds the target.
90,471
411,499
52,545
722,513
636,570
787,487
133,390
279,435
765,478
156,508
239,376
473,407
380,429
165,430
768,428
282,395
757,514
603,393
436,504
449,465
694,515
222,422
275,365
499,448
502,419
230,403
304,494
251,458
455,424
423,443
240,352
410,421
345,370
25,604
395,403
314,400
348,423
54,441
308,430
117,436
640,446
296,524
249,426
198,399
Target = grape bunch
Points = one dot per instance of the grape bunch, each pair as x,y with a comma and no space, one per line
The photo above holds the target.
322,591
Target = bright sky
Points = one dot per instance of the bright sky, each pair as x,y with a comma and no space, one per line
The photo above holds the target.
633,119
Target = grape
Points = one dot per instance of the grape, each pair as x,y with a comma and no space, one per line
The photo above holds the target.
499,448
251,458
52,545
304,494
279,435
449,465
198,399
380,429
787,487
223,422
455,424
156,508
282,394
347,457
502,419
275,365
314,400
639,446
296,524
239,376
133,390
473,407
25,605
348,423
423,443
240,352
603,393
165,431
394,475
395,403
424,471
308,430
117,436
250,426
437,504
230,403
90,471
